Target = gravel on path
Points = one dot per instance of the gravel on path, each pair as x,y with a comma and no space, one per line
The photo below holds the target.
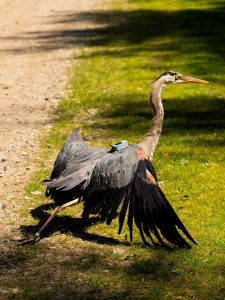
35,63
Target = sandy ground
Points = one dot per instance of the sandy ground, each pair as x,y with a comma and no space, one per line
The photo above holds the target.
35,63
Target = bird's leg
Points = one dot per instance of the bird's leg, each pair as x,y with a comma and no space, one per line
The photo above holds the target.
55,212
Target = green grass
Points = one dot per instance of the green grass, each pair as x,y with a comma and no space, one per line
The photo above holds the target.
132,43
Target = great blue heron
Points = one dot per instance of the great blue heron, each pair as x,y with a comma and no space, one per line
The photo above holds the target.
120,180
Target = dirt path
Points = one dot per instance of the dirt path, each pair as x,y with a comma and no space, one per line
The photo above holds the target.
35,58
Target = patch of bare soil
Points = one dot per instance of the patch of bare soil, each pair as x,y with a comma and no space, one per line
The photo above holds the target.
38,39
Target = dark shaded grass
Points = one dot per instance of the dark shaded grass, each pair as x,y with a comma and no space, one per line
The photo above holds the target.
95,272
76,227
191,31
181,116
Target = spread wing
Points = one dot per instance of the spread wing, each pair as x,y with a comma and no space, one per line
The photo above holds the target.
73,165
73,150
126,184
115,183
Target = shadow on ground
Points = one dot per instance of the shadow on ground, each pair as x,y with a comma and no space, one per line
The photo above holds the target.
195,115
198,31
76,227
181,115
55,273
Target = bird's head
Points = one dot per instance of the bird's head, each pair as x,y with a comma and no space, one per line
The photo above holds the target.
175,77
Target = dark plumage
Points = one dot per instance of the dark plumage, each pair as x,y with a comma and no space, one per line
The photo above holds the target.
120,180
111,182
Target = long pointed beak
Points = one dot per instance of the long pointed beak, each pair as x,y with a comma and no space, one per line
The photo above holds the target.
194,80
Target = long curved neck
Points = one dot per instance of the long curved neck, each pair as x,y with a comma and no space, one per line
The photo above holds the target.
150,140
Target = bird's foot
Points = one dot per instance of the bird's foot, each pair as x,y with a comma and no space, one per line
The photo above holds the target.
32,240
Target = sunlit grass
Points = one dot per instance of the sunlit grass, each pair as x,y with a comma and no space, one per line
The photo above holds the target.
109,101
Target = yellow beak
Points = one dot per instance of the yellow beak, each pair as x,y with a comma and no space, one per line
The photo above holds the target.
194,80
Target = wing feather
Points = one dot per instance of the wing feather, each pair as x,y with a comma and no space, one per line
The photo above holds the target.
144,202
124,209
121,182
131,216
